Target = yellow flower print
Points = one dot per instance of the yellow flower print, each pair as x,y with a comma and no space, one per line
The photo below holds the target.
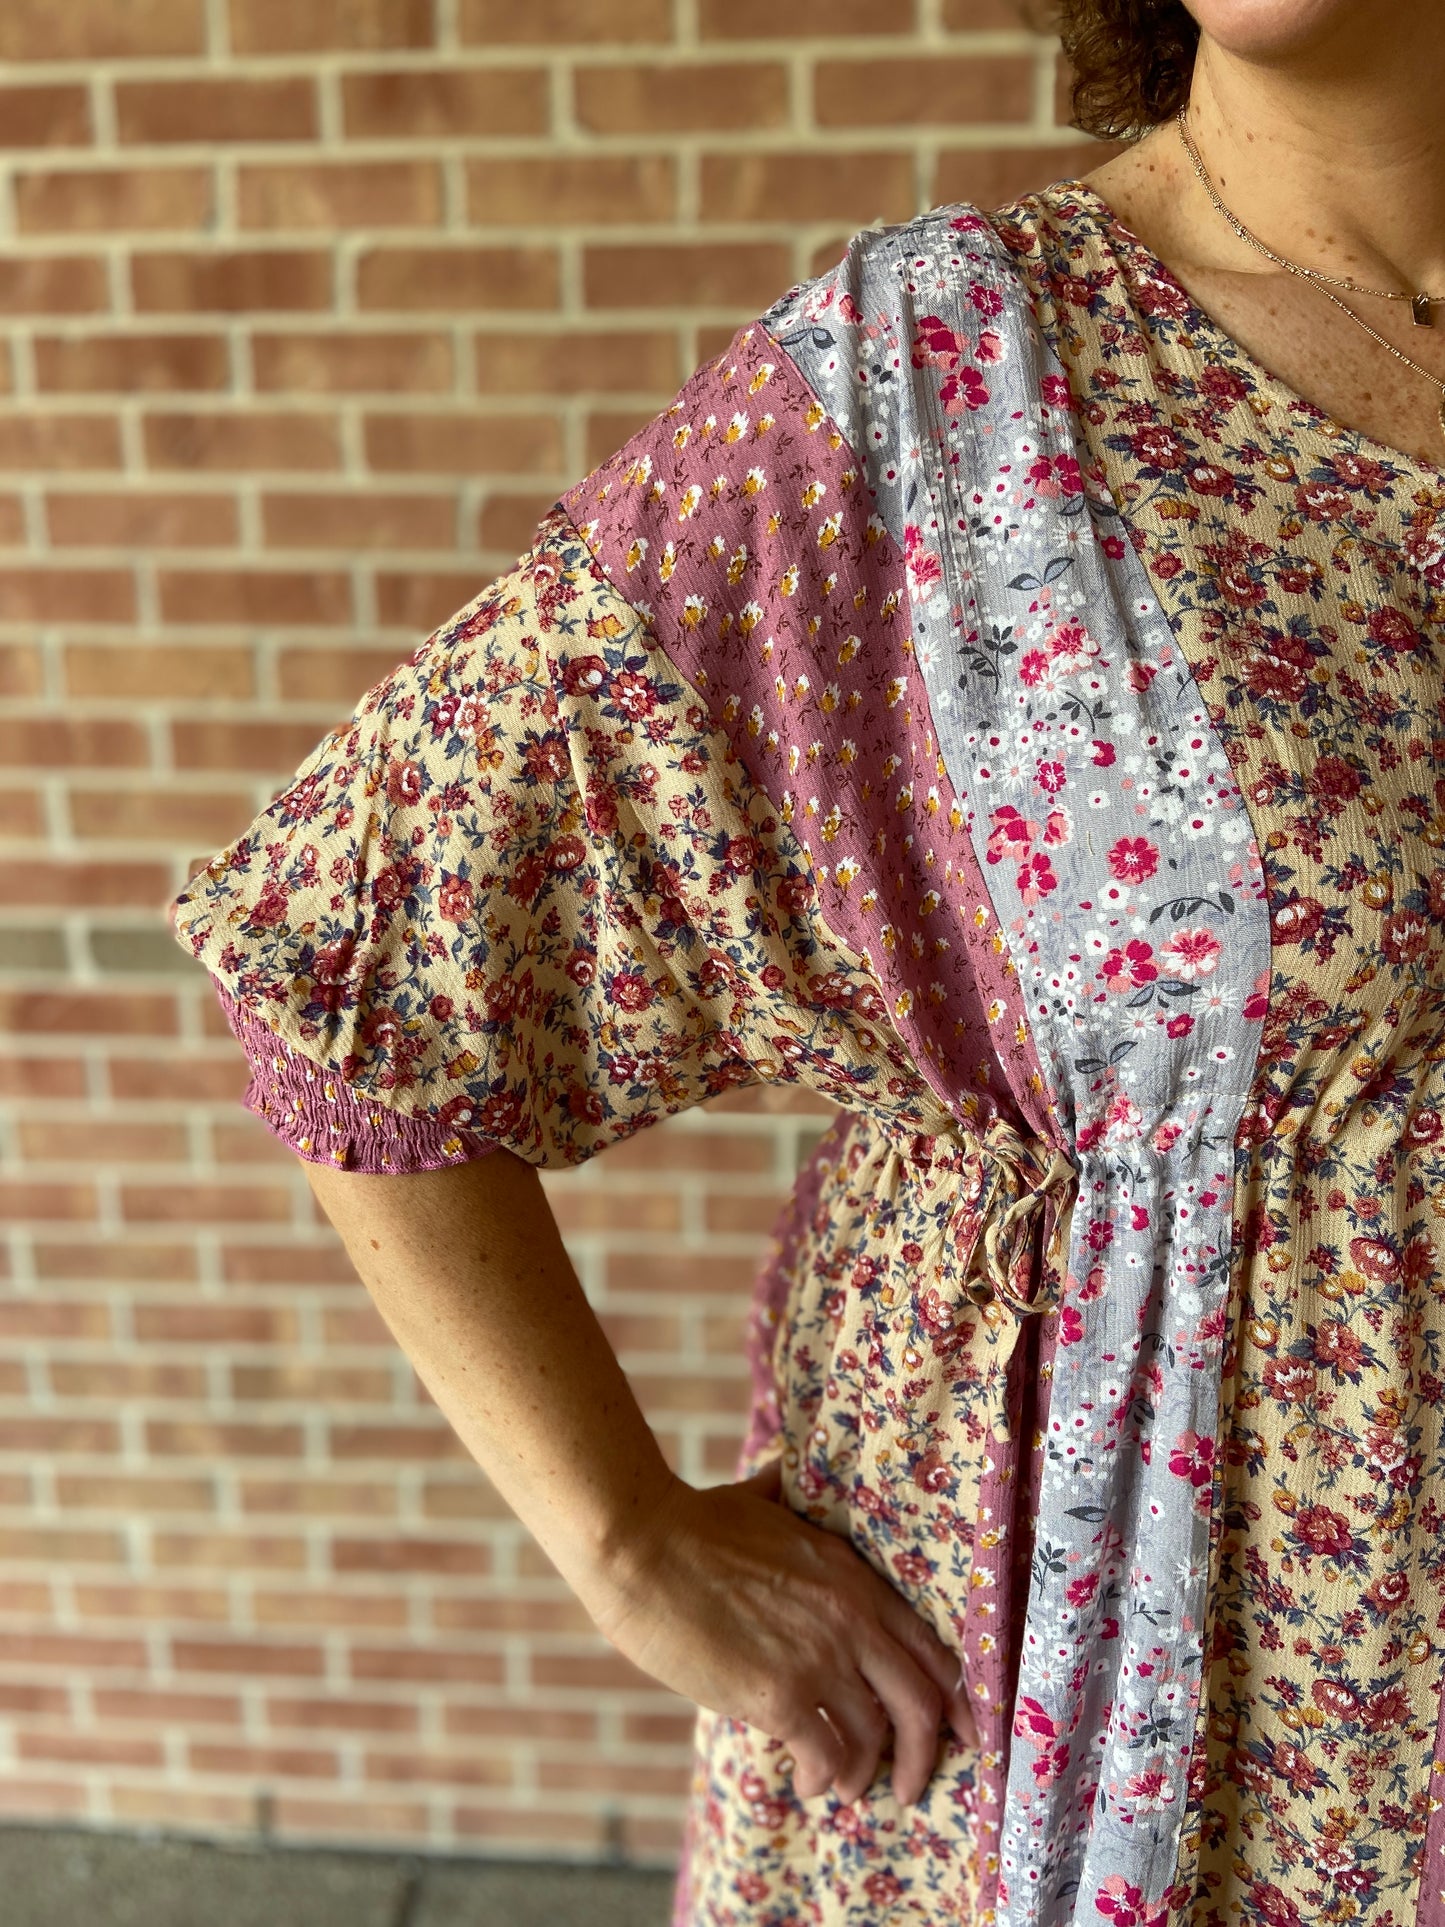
730,708
795,756
765,422
639,471
709,426
868,901
749,616
736,428
636,553
694,611
830,697
903,1006
606,627
715,549
895,692
688,505
755,720
828,584
754,482
890,763
789,584
737,564
800,689
463,1064
765,373
765,654
955,814
813,494
832,823
873,531
998,1008
718,489
847,479
781,687
928,904
667,562
849,650
845,869
682,435
905,798
933,802
830,530
775,521
847,752
815,416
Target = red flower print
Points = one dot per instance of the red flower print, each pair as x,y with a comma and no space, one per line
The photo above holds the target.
963,391
1292,1380
403,783
1192,1458
1376,1257
1158,447
1319,1528
567,853
1390,1591
584,675
1422,1127
633,694
1103,754
1133,858
930,1474
1036,878
631,990
1191,954
1277,670
1121,1902
545,758
1322,501
936,345
269,909
1130,968
1208,478
1179,1025
454,899
1405,937
883,1887
1333,781
1011,834
1338,1348
925,568
1296,919
1080,1591
912,1568
1071,1325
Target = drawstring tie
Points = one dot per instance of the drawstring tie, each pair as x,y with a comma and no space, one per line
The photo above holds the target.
1028,1188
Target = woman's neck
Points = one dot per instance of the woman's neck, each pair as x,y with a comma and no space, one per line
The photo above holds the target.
1332,154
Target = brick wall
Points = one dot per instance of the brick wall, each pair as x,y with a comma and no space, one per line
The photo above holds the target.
312,307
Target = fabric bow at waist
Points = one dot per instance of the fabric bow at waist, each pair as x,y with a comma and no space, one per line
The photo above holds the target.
1027,1191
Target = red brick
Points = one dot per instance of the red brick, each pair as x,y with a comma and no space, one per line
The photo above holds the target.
20,814
283,1762
200,1604
336,362
349,1715
617,1777
121,1379
231,1551
393,1554
67,595
250,1658
132,1492
557,190
446,103
460,1721
606,433
422,599
987,177
51,116
51,742
532,1826
733,1152
131,364
277,280
142,519
358,520
562,23
141,670
512,1613
457,279
321,1498
579,362
507,523
329,26
90,1749
603,1671
409,1443
32,1318
29,1077
445,1665
26,1697
46,1799
53,284
201,1203
439,1769
55,1437
12,524
153,816
242,439
113,199
212,112
30,1199
740,275
21,670
458,444
192,1081
32,441
301,597
355,1817
65,881
127,1143
214,1439
972,16
118,1258
461,1498
343,194
700,1273
192,1324
264,749
165,1808
312,1384
803,19
101,30
101,1012
157,1706
808,187
936,89
682,98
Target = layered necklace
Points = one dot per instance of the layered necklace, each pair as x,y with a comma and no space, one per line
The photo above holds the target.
1420,304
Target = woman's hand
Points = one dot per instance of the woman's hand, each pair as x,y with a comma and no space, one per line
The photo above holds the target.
735,1601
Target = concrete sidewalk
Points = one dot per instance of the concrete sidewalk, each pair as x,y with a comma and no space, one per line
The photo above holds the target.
73,1877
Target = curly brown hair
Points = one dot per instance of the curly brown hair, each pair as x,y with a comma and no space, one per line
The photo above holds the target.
1131,60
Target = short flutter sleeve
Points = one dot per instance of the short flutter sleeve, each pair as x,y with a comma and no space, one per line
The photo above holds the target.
527,896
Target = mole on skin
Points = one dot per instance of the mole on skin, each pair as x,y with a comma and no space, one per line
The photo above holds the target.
375,1243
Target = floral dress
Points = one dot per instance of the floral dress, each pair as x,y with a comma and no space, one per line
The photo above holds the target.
988,698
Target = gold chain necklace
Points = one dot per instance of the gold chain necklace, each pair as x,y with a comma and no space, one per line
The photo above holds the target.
1419,303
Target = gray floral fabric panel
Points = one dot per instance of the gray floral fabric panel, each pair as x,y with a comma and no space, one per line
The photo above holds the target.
1123,868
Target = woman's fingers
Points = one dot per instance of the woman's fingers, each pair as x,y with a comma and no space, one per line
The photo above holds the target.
914,1705
939,1662
818,1749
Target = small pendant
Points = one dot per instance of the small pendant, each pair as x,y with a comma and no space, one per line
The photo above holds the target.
1420,311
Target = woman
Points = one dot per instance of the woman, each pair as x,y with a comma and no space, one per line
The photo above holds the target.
1003,693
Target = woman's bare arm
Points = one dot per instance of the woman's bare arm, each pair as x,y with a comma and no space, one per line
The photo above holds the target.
723,1594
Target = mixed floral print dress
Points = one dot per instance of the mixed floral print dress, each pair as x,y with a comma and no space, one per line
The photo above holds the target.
991,699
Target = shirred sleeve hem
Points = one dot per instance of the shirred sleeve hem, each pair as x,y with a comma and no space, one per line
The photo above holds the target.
325,1121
